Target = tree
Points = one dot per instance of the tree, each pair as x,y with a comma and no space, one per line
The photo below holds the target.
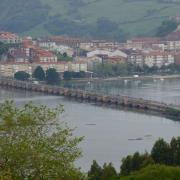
166,27
135,162
95,172
52,76
161,152
64,57
39,73
108,172
21,75
35,144
175,150
121,69
65,54
67,75
155,172
81,74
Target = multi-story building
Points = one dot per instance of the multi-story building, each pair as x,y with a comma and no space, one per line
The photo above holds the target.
158,59
77,66
8,69
9,38
106,53
41,55
135,57
67,41
141,43
92,62
47,44
59,66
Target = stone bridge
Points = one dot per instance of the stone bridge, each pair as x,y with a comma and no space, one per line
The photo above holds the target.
124,101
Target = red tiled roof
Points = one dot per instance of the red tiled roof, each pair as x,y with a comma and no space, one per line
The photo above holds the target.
8,35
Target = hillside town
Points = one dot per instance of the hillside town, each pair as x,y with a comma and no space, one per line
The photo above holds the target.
76,55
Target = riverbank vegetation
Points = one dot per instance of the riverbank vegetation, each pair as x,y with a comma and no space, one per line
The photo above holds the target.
22,76
173,113
127,69
102,70
51,76
162,163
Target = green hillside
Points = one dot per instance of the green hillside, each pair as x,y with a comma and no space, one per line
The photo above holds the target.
97,18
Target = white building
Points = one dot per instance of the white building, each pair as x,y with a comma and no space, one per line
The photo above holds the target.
106,53
158,59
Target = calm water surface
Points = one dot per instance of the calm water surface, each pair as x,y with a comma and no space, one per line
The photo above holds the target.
160,90
108,132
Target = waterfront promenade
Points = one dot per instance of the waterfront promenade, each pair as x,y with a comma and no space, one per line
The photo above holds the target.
155,77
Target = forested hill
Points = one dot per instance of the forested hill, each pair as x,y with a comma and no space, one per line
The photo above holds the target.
91,18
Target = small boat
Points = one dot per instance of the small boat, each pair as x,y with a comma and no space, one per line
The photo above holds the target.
162,79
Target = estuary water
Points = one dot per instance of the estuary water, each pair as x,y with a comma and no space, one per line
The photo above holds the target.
111,134
160,90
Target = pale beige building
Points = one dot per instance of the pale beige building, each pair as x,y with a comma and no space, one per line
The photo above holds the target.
8,69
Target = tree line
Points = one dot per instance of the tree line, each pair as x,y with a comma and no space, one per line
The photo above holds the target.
164,157
128,69
50,76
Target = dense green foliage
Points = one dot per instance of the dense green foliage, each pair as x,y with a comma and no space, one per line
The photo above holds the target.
39,73
63,57
166,27
155,172
173,112
144,166
167,153
107,172
125,69
86,17
52,76
22,15
21,75
161,152
103,29
35,144
68,75
4,48
107,69
135,163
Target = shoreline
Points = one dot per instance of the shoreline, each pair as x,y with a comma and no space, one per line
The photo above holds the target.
155,77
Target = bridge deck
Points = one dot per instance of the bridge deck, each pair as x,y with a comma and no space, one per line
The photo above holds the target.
86,95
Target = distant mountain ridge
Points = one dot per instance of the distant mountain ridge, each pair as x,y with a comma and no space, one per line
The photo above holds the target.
111,19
